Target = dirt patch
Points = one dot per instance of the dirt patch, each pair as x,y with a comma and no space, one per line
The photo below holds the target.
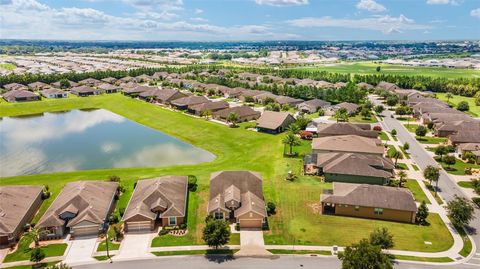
316,207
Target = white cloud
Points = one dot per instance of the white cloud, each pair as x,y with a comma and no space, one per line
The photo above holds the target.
475,13
385,24
371,6
198,11
160,4
198,19
282,3
442,2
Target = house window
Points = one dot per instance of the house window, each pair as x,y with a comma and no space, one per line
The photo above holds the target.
357,208
219,215
172,221
378,211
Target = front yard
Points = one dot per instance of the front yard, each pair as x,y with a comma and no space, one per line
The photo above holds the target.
23,251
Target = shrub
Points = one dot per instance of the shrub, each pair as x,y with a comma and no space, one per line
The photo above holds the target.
192,182
421,131
183,226
113,219
306,135
377,128
476,201
430,125
114,178
163,232
37,255
463,106
271,208
121,211
393,132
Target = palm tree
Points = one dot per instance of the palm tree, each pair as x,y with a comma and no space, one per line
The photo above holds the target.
34,234
291,140
396,154
233,119
294,128
401,176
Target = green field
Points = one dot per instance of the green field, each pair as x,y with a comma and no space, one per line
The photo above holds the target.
297,219
474,109
417,191
370,68
9,67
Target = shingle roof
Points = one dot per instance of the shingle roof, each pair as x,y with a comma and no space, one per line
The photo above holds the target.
241,111
272,119
341,128
315,103
190,100
19,94
355,164
168,193
218,105
371,196
348,143
82,89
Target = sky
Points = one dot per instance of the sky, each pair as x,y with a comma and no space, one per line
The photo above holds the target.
232,20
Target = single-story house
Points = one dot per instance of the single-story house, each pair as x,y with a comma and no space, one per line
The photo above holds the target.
348,143
287,100
137,90
387,86
155,201
160,75
350,167
211,106
54,93
312,106
58,84
365,86
127,79
90,82
37,86
20,96
85,91
466,136
18,205
165,96
184,102
452,127
110,80
108,88
274,122
474,148
14,86
82,209
351,108
369,201
237,196
244,113
143,78
263,97
345,128
249,94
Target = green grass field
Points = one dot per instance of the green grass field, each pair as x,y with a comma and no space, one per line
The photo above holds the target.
417,191
196,252
23,251
474,109
300,252
297,219
370,68
9,67
430,139
459,167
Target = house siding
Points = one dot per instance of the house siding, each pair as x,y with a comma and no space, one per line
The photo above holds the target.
368,212
165,221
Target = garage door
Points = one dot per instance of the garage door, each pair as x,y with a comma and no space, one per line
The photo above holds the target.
251,223
140,226
87,230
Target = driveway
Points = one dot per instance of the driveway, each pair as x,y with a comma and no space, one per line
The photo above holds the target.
251,243
81,250
135,245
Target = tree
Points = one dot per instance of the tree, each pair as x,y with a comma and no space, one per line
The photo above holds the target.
64,84
432,173
271,208
402,177
463,106
406,146
421,130
440,151
294,128
291,140
392,100
422,214
382,237
35,234
395,154
460,211
448,95
233,119
379,68
470,157
341,114
216,233
393,132
449,160
206,113
366,114
364,255
379,109
401,110
37,255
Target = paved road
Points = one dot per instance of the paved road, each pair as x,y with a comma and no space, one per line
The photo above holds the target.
447,186
276,262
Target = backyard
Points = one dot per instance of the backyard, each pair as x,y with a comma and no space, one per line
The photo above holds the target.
474,109
297,220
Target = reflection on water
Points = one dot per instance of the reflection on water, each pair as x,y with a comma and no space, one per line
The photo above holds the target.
78,140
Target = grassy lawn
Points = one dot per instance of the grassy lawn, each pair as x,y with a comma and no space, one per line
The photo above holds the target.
411,127
102,258
459,167
391,149
111,246
430,140
467,244
196,252
366,67
417,191
297,219
422,259
431,189
474,109
402,166
42,265
171,240
300,252
465,184
23,251
8,66
415,167
383,136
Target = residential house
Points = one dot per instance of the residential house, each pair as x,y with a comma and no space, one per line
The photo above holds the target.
468,136
210,106
127,79
448,128
90,82
244,113
82,209
137,90
37,86
18,205
108,88
237,196
109,80
54,93
165,96
345,128
143,78
274,122
286,100
83,91
350,167
312,106
473,148
155,201
264,96
184,102
20,96
351,108
348,144
369,201
247,94
364,86
14,86
58,84
387,86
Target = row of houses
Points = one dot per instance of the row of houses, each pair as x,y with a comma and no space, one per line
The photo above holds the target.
352,157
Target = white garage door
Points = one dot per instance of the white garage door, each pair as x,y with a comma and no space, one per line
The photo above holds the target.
140,226
251,223
86,230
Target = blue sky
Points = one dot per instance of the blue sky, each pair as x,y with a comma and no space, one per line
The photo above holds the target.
222,20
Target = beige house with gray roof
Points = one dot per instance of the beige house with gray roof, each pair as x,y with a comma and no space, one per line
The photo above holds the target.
237,196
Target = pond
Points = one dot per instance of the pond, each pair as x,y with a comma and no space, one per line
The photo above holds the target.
81,140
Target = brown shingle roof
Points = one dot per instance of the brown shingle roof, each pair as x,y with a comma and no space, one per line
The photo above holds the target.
190,100
272,119
333,129
355,164
348,143
241,111
169,193
19,94
371,196
213,106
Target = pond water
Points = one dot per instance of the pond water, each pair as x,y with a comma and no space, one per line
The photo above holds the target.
80,140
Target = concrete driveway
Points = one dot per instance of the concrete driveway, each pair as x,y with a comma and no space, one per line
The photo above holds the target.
81,250
135,245
251,243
